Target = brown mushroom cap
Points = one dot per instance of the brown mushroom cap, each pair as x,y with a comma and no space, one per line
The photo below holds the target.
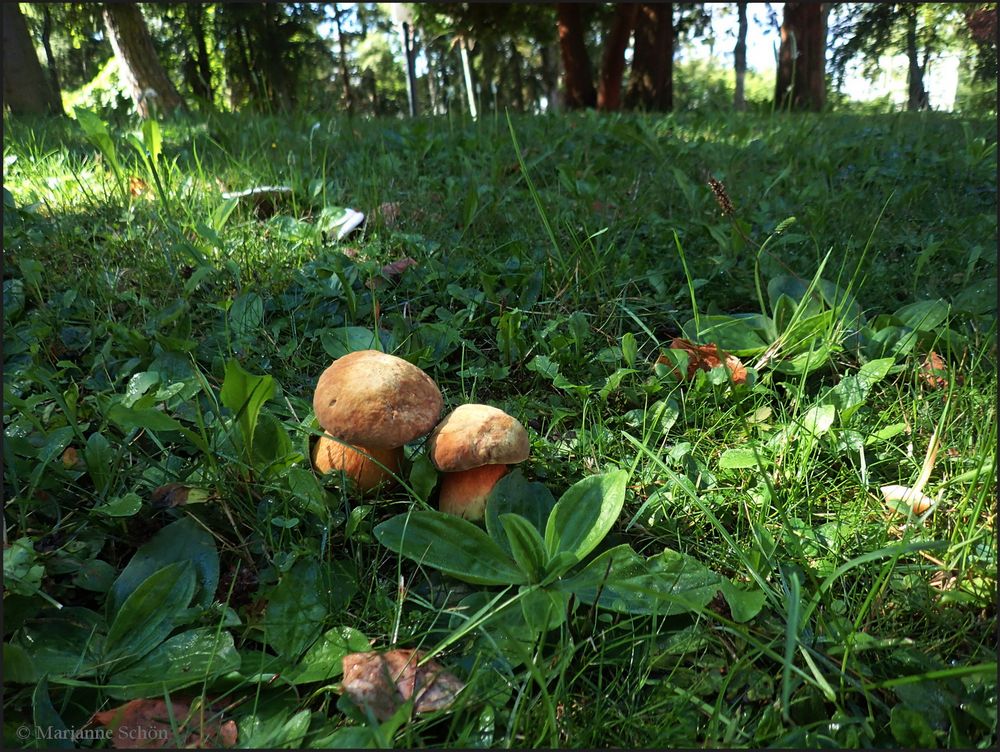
331,456
475,435
371,399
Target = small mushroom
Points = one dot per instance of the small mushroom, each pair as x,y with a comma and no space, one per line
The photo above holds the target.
473,446
373,403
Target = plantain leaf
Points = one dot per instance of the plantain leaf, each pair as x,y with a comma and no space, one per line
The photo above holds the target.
514,494
526,545
451,544
585,513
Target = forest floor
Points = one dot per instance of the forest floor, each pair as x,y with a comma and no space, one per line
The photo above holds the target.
721,569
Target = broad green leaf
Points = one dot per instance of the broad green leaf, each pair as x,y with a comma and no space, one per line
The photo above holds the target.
740,457
147,615
63,642
152,139
274,726
99,458
526,545
737,336
184,540
743,604
621,580
21,572
451,544
121,506
806,362
145,417
504,632
544,609
17,665
516,495
818,419
195,657
245,394
246,316
423,476
296,610
911,729
852,391
348,339
630,349
47,719
324,660
305,488
924,315
585,513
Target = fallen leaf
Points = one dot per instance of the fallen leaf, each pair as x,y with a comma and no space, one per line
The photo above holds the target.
395,270
916,500
145,724
705,358
137,186
382,682
934,370
389,212
177,495
70,458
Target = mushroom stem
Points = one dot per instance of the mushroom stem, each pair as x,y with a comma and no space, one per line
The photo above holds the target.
464,493
367,468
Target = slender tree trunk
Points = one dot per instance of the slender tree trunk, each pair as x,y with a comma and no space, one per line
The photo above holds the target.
138,62
25,89
550,77
348,96
801,76
916,94
201,69
740,55
609,92
470,89
651,83
518,80
577,75
50,59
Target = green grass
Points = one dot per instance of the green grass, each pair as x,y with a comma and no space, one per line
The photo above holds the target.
549,279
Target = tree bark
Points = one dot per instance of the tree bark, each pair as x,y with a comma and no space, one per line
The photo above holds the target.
200,70
138,62
651,85
916,94
609,91
801,79
26,91
344,72
578,78
50,59
740,55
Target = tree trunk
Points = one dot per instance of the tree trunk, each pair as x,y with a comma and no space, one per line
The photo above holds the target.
609,92
50,59
740,55
345,74
515,61
25,89
550,77
138,63
578,78
651,85
200,72
801,79
470,89
916,94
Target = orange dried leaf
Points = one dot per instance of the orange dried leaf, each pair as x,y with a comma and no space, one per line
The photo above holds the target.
382,682
70,457
137,186
705,358
396,268
146,724
934,370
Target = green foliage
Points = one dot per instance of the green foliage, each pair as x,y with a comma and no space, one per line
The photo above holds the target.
744,587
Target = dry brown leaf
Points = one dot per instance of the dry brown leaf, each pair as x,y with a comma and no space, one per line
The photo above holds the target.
384,681
933,370
389,212
71,458
396,268
145,724
177,495
705,358
137,186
